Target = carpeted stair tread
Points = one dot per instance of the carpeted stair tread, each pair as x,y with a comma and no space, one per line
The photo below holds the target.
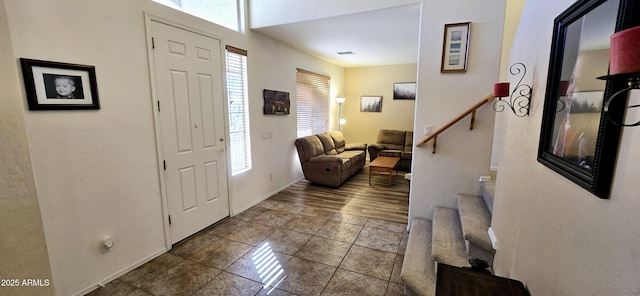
418,268
448,245
475,219
488,191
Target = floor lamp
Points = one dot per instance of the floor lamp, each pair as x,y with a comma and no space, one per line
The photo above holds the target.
342,120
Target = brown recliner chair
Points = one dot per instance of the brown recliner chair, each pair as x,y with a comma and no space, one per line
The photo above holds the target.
393,143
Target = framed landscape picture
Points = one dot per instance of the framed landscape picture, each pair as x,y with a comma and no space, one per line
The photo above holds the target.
371,104
276,102
404,91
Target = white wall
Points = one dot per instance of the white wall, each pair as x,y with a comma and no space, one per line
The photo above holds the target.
272,65
278,12
23,247
96,171
376,81
553,235
462,156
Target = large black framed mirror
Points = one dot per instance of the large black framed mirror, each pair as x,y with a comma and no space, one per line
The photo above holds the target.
577,140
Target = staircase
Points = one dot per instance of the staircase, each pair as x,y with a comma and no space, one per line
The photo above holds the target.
453,237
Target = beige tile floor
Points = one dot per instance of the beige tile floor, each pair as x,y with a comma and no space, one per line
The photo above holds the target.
277,248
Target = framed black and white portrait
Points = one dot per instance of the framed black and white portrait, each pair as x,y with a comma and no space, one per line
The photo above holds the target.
59,86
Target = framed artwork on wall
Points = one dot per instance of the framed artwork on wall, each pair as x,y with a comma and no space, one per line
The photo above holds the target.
404,91
371,104
276,102
455,47
59,86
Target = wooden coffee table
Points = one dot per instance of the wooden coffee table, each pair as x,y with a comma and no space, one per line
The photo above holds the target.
384,164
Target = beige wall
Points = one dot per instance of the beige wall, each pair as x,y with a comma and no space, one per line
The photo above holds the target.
552,234
23,247
513,11
376,81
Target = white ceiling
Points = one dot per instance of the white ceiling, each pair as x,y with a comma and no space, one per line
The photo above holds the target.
379,37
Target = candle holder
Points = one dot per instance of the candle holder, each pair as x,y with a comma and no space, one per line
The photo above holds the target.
633,82
520,99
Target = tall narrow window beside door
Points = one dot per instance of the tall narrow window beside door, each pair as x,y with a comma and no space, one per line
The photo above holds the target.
312,101
237,93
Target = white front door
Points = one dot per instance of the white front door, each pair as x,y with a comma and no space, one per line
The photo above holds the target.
189,91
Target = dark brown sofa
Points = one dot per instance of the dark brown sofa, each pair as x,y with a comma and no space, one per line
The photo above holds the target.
326,158
394,143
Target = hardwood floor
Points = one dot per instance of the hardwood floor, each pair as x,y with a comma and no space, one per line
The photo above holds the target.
355,196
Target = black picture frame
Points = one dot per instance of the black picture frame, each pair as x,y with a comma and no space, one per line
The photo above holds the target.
455,47
592,172
41,80
404,91
276,102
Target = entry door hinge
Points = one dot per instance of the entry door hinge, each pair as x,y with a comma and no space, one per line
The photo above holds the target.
158,106
153,43
164,164
169,219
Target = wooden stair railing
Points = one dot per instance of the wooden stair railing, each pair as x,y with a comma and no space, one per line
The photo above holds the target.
472,111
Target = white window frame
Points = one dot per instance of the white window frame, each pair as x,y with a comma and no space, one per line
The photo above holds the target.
238,108
216,11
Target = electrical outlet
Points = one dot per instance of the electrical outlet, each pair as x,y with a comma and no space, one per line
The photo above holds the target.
270,177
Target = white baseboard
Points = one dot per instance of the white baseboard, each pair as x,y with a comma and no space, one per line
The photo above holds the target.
484,179
118,274
494,238
265,197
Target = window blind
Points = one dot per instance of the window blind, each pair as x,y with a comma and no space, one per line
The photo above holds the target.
238,102
312,101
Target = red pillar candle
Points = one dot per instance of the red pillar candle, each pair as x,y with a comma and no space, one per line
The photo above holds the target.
625,51
501,89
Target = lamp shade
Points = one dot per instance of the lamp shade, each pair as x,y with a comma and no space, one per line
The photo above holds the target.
625,51
340,100
501,89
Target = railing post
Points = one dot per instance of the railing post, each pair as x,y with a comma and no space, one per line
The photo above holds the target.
473,119
435,142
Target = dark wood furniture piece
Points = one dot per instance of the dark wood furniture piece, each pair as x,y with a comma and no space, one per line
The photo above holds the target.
458,281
